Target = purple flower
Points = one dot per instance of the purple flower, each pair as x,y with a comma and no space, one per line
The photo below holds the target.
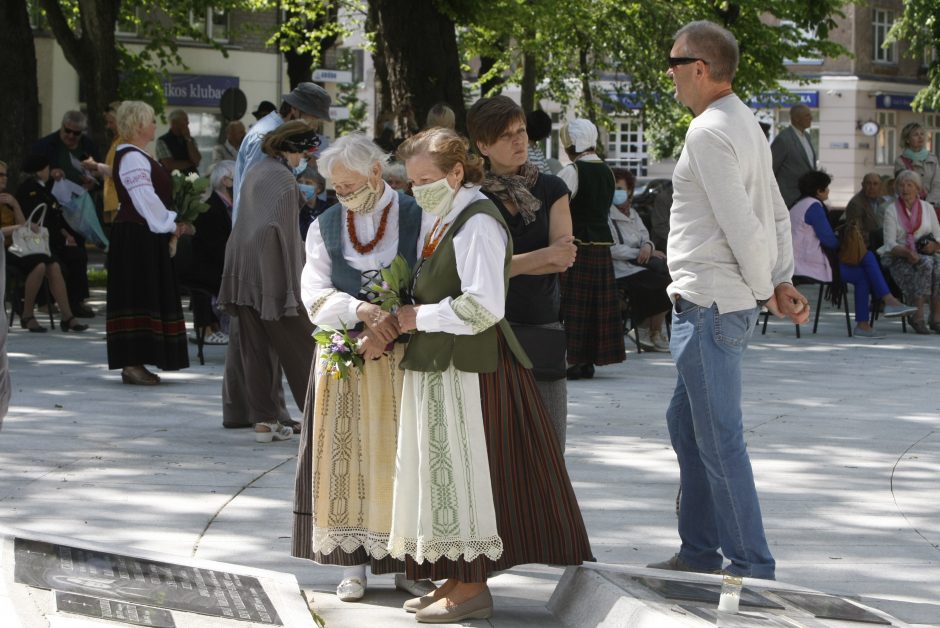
337,339
385,286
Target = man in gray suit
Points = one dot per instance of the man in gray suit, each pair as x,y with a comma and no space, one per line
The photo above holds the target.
793,153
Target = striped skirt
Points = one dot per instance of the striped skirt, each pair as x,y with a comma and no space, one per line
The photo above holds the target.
536,512
346,466
590,307
145,322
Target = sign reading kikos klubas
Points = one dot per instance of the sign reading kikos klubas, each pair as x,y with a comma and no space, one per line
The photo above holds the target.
142,582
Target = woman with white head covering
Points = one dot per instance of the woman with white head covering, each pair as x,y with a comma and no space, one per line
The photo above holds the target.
346,465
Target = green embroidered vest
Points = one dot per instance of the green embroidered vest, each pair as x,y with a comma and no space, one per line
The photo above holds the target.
437,279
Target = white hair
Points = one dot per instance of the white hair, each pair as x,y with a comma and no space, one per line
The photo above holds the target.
396,170
355,152
908,175
221,170
75,118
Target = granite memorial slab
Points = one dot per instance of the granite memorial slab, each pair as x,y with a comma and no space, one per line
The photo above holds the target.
138,581
101,608
830,607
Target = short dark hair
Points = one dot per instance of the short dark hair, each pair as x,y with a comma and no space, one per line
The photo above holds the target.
812,182
626,174
538,125
488,118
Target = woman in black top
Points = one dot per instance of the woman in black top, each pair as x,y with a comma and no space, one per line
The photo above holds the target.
66,244
535,207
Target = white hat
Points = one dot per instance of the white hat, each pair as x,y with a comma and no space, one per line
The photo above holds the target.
580,133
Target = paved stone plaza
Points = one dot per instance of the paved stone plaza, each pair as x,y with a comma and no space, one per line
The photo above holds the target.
844,435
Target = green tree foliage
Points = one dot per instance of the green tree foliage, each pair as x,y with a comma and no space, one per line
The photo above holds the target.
920,26
628,41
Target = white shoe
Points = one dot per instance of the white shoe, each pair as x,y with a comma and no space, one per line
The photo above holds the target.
351,589
417,588
660,344
272,431
216,338
646,340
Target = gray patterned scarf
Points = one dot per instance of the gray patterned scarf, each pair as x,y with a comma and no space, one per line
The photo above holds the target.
514,189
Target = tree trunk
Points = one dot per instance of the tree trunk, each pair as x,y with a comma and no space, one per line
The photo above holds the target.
587,97
529,75
93,55
299,67
18,85
382,89
420,45
494,85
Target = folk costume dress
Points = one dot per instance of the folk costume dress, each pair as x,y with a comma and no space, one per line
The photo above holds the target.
590,305
480,484
145,322
346,464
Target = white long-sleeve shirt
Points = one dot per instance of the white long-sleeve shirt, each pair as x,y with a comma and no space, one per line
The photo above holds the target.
729,237
334,308
480,248
136,178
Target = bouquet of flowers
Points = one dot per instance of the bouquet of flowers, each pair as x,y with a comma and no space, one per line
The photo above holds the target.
188,193
391,288
337,351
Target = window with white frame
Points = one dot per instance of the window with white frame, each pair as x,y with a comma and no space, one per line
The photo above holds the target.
212,22
128,24
887,141
932,127
36,18
882,21
626,145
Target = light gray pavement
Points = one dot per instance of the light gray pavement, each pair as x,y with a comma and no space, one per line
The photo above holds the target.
844,436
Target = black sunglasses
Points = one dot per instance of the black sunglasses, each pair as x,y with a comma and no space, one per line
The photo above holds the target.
71,132
675,61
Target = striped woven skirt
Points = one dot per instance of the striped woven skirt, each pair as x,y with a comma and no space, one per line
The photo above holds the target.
536,513
346,466
145,322
590,308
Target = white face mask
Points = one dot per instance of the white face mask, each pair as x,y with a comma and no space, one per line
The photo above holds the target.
435,198
361,201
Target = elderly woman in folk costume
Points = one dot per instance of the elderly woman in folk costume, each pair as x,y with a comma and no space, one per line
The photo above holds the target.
346,466
481,484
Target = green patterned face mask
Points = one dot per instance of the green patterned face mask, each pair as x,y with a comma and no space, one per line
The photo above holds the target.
435,198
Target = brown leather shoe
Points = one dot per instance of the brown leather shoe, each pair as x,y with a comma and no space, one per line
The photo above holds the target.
479,607
138,376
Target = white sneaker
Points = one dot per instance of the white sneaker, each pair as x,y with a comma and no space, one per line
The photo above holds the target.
417,588
273,431
646,340
216,338
660,344
351,589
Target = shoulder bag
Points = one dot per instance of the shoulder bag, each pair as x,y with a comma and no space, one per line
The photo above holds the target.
546,346
852,247
29,242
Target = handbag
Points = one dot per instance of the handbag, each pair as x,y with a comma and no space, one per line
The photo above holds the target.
852,247
546,347
29,242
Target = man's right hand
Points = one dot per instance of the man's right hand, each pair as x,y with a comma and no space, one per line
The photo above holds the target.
788,302
57,173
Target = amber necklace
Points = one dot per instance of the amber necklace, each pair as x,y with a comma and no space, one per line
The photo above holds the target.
433,238
361,248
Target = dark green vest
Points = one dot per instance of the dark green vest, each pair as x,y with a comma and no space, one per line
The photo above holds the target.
437,279
590,207
331,224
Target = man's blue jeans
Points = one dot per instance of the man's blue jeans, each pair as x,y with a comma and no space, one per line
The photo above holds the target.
719,505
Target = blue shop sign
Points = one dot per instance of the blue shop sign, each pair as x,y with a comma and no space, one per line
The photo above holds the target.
900,102
197,90
777,100
622,100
